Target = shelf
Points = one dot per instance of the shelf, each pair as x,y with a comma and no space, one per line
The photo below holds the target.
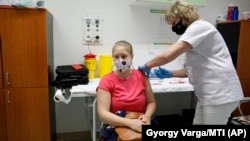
163,4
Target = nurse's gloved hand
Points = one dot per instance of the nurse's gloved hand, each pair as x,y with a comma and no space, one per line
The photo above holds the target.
163,73
144,70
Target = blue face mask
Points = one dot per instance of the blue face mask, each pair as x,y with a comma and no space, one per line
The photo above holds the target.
179,28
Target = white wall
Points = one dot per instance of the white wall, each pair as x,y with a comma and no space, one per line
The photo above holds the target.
121,22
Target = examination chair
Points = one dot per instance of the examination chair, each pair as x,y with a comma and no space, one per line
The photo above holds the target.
242,119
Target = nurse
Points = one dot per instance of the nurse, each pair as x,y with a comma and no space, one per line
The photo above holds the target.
208,65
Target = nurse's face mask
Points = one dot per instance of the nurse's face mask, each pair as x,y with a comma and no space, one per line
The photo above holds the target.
122,64
179,28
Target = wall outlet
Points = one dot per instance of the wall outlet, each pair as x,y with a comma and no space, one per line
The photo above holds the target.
92,29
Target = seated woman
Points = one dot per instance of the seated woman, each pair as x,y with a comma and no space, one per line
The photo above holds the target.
125,89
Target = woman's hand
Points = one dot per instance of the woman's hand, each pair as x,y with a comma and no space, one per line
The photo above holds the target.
136,125
145,119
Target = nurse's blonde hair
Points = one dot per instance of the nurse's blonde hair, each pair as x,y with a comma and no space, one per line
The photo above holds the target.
180,10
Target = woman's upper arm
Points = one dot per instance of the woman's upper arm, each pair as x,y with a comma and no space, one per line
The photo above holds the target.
149,92
103,100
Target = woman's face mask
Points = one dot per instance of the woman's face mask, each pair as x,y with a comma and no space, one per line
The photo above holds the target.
122,64
179,28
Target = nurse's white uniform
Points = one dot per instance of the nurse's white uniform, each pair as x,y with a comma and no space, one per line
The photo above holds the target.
209,66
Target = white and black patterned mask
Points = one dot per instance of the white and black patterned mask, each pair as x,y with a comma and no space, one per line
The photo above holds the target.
122,65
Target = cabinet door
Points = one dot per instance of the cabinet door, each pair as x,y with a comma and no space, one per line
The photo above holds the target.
2,106
243,66
243,63
1,74
3,134
24,47
230,32
27,112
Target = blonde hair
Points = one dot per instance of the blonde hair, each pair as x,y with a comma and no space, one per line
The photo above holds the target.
125,44
181,9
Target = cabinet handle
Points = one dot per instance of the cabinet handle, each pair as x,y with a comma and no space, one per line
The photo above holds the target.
7,78
8,96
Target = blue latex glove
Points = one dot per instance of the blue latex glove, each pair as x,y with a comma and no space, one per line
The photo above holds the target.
163,73
145,70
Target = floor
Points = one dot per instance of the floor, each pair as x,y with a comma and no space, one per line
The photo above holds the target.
75,136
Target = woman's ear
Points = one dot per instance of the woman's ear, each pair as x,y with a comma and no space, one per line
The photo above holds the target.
185,21
132,56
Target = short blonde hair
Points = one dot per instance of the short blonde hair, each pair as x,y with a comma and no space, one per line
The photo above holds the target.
181,9
125,44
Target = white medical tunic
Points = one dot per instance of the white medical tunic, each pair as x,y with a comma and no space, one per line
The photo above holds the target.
209,65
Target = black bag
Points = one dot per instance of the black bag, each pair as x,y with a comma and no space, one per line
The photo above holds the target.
67,76
69,71
64,83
